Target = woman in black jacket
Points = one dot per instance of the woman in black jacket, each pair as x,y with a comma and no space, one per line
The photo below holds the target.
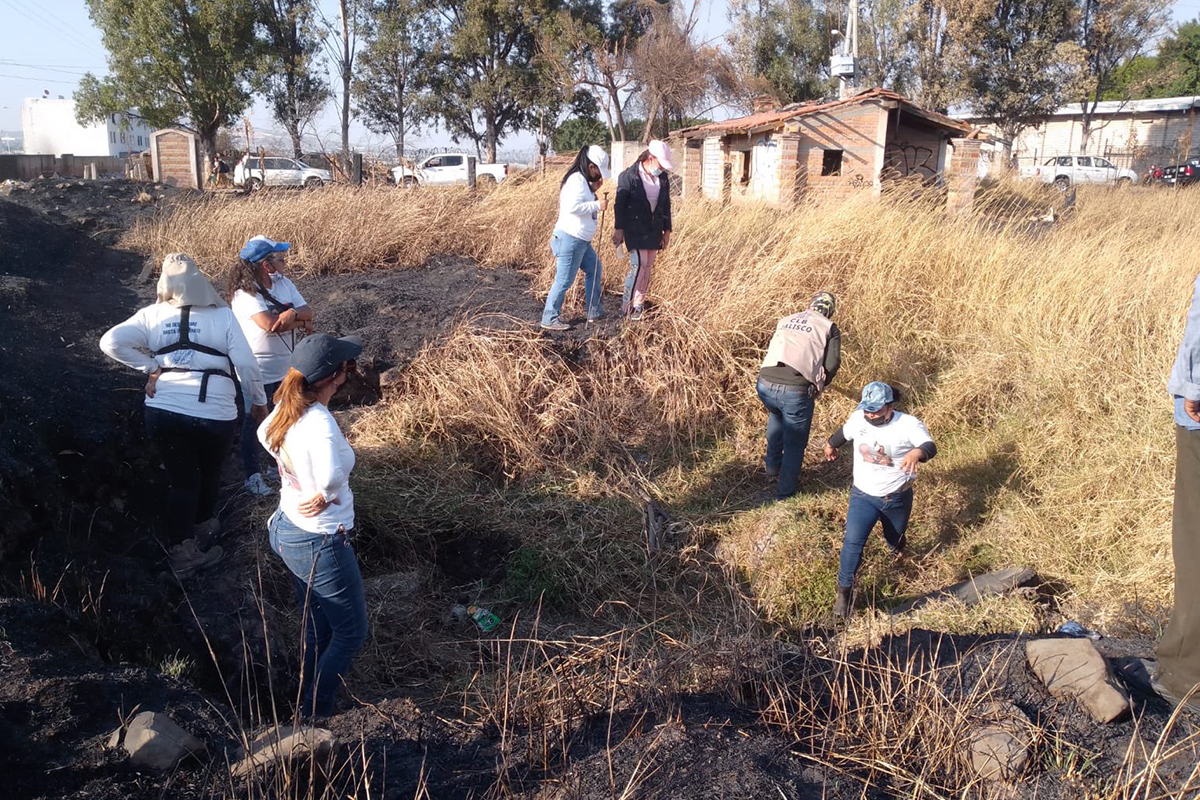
643,221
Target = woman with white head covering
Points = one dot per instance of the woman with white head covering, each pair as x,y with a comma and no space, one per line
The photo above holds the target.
642,216
193,352
571,243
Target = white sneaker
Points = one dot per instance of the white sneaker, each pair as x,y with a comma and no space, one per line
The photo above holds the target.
255,485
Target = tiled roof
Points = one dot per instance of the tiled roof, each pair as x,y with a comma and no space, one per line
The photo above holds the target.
770,119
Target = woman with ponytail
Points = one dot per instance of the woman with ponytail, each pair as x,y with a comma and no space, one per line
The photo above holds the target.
312,528
270,310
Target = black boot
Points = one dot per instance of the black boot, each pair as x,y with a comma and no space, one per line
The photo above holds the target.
841,606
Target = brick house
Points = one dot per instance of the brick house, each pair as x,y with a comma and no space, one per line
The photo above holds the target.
782,156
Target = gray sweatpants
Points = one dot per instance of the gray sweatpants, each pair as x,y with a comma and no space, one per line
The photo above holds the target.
1179,650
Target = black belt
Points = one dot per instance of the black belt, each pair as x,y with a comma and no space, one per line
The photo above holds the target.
207,373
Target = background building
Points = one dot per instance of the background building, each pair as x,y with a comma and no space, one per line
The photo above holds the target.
49,127
1130,133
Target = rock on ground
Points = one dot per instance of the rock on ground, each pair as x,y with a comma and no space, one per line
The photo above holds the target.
284,746
154,741
1074,668
998,749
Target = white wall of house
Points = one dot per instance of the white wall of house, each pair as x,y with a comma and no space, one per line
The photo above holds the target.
50,128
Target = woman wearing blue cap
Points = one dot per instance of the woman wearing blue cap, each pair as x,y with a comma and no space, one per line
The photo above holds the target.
888,447
311,529
269,309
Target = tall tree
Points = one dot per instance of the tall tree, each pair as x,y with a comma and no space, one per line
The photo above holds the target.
580,51
485,79
779,48
932,41
289,65
172,60
1112,32
678,76
394,70
1017,58
341,43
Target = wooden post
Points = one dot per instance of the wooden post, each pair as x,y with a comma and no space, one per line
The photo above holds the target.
68,165
356,178
726,183
471,173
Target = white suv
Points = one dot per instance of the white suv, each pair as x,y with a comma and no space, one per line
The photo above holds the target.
255,172
1064,171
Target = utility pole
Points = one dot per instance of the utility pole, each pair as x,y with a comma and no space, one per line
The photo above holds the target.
843,64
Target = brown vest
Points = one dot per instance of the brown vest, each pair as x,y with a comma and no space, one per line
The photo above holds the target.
799,342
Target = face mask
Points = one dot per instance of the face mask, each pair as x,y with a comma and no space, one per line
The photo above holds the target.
879,422
656,171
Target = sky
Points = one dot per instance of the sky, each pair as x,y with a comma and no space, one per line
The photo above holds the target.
50,44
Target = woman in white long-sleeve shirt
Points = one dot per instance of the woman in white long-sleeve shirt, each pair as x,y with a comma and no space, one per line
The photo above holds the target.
312,528
571,243
190,347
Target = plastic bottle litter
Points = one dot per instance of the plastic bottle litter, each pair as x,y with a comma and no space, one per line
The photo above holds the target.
486,620
1075,630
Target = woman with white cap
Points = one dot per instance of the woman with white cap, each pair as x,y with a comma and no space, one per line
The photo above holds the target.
571,243
642,217
270,310
196,349
888,447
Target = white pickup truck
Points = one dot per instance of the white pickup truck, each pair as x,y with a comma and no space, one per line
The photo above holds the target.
447,168
1064,171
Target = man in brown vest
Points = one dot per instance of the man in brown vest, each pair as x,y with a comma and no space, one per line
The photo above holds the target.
802,358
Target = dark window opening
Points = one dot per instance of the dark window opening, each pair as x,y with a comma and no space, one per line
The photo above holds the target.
831,164
745,179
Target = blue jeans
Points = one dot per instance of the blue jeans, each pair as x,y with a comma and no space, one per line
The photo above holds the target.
250,447
573,255
336,620
789,420
892,510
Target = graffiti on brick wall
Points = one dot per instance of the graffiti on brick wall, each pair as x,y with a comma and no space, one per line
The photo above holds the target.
859,182
902,160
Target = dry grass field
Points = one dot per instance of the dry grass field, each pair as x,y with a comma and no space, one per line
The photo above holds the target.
1037,353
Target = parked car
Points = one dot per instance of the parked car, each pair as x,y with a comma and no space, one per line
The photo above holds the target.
255,172
447,168
1181,175
1064,171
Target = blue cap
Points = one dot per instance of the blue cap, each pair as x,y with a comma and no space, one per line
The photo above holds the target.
319,356
260,247
876,395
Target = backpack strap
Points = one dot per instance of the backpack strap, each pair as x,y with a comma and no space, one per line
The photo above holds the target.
185,343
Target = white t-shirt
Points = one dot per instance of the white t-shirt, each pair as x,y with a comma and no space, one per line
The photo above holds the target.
878,451
273,350
321,460
154,327
577,208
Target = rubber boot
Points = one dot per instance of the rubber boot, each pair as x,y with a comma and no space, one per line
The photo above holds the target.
841,605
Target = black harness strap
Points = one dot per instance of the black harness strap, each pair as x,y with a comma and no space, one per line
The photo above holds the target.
185,343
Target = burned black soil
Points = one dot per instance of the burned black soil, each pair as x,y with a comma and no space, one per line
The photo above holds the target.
91,627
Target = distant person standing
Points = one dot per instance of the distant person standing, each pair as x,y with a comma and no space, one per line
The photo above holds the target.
888,447
270,309
571,242
313,527
803,357
642,217
1178,671
195,347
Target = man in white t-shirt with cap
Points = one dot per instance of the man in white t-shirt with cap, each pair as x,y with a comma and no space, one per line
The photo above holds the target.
888,447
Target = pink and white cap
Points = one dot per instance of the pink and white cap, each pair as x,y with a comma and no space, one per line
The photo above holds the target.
658,148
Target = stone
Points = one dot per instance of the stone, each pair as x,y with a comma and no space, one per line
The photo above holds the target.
391,379
998,746
154,741
285,746
1074,669
996,753
975,588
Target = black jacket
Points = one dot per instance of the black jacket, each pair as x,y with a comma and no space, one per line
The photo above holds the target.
643,228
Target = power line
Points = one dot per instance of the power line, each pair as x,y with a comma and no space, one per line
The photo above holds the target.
66,28
42,69
36,17
36,79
